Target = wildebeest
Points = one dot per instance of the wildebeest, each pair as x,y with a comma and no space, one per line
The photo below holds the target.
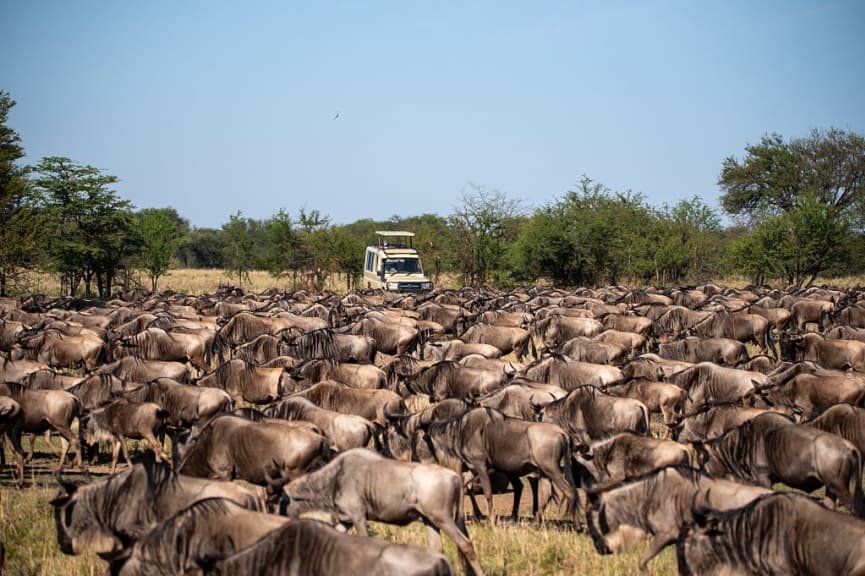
628,455
722,351
830,354
777,534
844,420
708,383
709,422
16,370
395,337
659,397
521,398
360,485
58,350
43,410
569,374
588,414
186,404
482,440
246,382
198,347
136,369
658,505
104,514
806,395
455,349
555,330
211,527
738,326
123,419
268,453
311,548
374,405
10,417
585,349
807,310
345,431
506,339
448,379
771,448
350,374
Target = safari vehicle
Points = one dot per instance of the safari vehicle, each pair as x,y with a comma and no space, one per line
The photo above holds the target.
393,264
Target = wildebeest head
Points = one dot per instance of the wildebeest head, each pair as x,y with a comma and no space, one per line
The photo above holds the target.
77,523
596,518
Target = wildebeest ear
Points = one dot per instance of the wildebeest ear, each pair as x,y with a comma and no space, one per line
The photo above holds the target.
68,486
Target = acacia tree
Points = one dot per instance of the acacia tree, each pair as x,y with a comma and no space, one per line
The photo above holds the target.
484,225
807,192
239,247
21,228
162,232
90,234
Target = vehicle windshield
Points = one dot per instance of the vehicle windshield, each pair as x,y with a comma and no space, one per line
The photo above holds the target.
402,266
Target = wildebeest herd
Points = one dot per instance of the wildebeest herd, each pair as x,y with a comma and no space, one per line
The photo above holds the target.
275,422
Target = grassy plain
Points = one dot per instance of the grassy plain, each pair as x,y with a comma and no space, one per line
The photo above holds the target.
28,533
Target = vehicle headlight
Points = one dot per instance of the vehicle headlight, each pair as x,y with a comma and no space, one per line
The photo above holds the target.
426,285
393,285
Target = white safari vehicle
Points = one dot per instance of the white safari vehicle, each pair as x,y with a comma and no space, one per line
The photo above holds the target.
393,264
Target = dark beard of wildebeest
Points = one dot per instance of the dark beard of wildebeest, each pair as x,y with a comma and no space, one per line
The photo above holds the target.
311,548
659,397
43,410
771,448
721,351
569,374
106,514
123,419
447,379
354,375
829,354
400,429
345,431
246,382
212,527
482,440
778,534
658,505
269,453
360,485
587,414
58,350
708,383
374,405
738,326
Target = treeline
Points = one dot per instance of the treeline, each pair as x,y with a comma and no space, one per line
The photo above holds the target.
797,209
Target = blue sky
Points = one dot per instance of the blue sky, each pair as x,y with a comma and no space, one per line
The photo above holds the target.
213,107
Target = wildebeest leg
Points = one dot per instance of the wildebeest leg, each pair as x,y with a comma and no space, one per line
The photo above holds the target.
125,450
517,484
568,489
487,487
115,449
15,440
458,533
156,447
67,435
658,543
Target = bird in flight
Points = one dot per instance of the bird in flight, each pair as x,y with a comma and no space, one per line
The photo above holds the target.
335,116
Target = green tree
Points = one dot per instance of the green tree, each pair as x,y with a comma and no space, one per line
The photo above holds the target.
21,223
91,233
204,248
239,247
811,188
162,233
687,242
485,223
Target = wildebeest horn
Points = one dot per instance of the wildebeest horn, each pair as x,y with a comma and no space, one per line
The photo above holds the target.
68,486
